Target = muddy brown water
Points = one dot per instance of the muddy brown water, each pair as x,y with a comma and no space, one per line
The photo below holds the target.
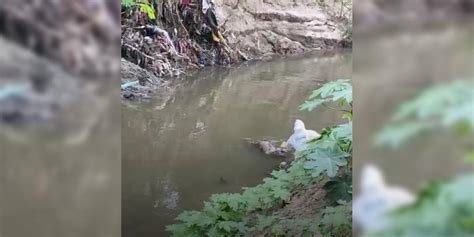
62,179
178,150
59,174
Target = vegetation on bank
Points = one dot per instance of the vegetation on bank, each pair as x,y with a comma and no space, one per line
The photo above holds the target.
258,210
443,207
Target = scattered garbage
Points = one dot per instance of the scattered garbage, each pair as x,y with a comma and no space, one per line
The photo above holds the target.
9,90
129,84
180,39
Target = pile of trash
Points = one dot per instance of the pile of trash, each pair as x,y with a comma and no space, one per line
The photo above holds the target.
34,90
138,83
170,37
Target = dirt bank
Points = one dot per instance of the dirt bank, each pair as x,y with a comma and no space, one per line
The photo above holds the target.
265,28
177,39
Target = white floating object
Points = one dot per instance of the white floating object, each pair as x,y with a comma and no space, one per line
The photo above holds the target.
377,200
301,136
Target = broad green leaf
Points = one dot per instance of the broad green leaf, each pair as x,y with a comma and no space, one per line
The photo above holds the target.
443,106
343,132
338,92
326,160
339,188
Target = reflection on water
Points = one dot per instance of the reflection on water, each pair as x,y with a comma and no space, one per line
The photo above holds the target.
179,150
58,176
51,188
393,68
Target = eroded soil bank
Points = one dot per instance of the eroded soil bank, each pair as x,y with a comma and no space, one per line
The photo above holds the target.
179,40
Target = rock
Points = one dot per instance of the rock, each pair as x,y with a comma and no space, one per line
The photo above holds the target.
260,28
128,95
266,147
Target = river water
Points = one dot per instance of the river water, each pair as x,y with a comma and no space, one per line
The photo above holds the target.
59,174
394,67
178,150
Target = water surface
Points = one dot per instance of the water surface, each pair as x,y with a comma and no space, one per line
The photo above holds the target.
179,150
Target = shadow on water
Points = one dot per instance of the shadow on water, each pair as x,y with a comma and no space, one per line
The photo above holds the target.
179,150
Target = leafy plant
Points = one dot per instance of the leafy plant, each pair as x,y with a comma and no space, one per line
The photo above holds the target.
337,219
339,189
324,155
334,147
442,106
148,9
143,6
339,92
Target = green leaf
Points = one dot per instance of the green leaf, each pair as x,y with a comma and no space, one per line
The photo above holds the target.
393,136
339,188
442,106
326,160
343,132
336,216
148,9
339,92
128,3
281,193
310,105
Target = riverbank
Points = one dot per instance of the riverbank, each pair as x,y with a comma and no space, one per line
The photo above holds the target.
176,40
